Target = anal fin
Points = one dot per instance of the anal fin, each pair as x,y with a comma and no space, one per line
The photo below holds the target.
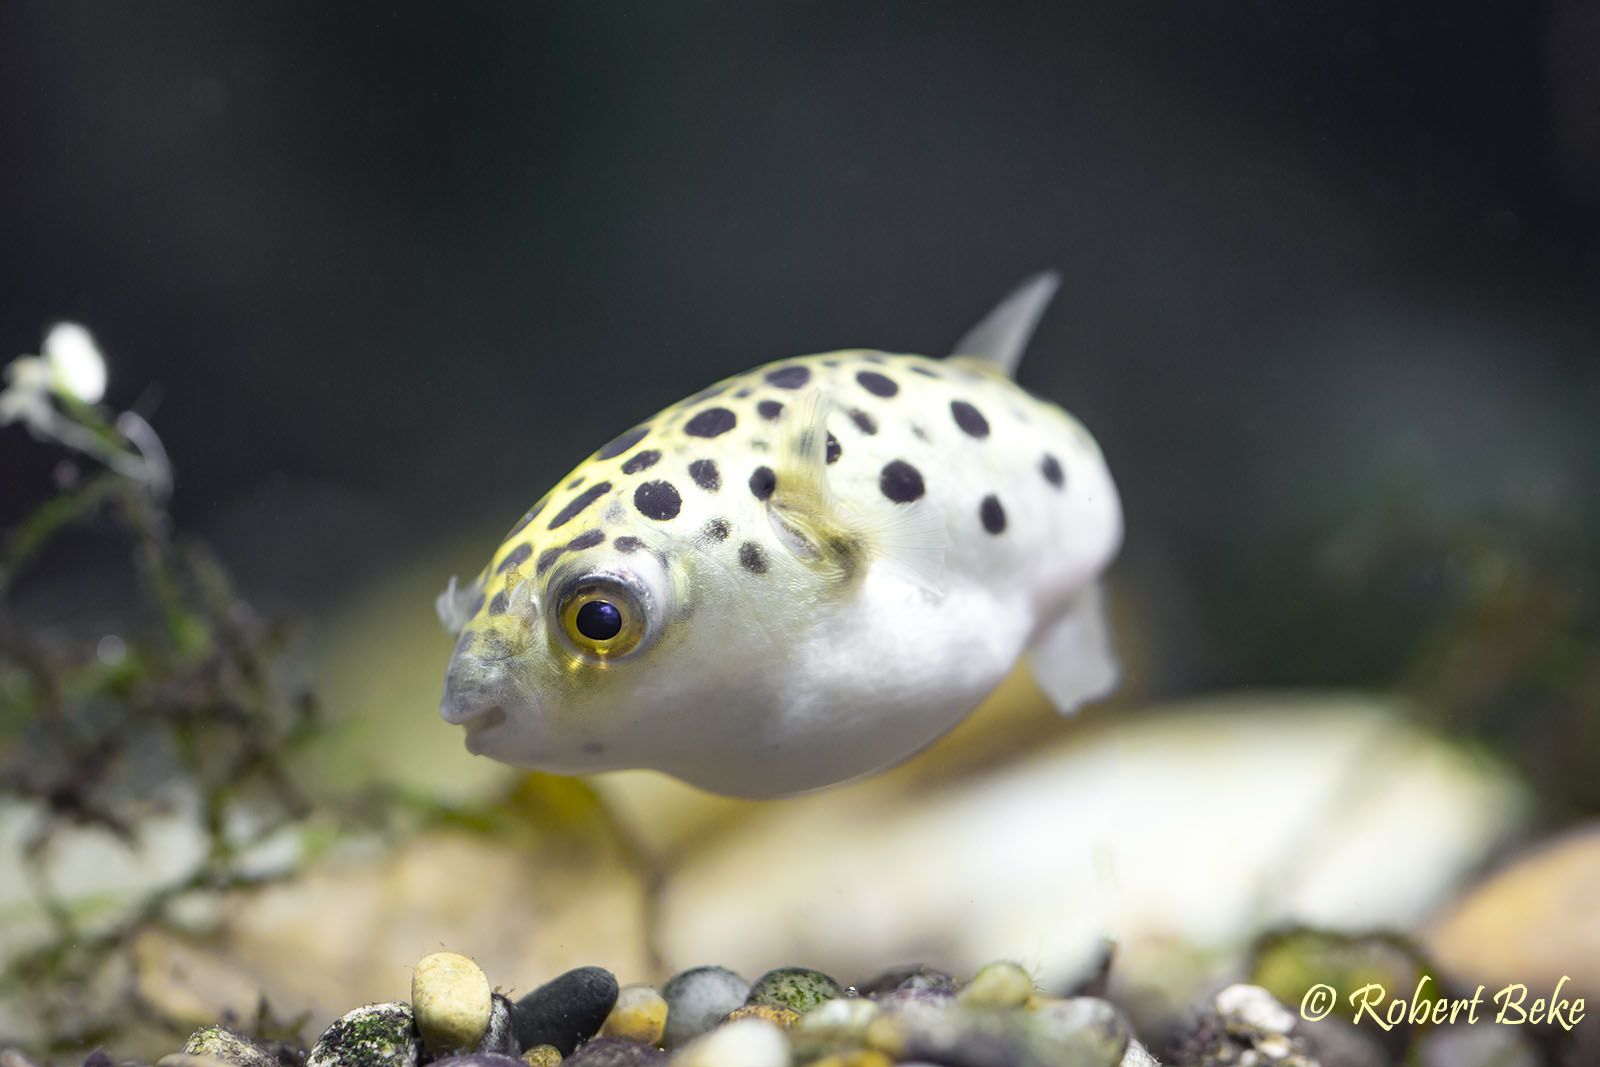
1072,659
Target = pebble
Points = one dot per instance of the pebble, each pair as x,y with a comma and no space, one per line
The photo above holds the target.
860,1057
1002,984
640,1014
451,1002
782,1018
565,1010
1249,1009
1090,1018
796,988
377,1035
614,1052
478,1059
220,1043
983,1038
913,979
542,1056
744,1043
501,1036
697,998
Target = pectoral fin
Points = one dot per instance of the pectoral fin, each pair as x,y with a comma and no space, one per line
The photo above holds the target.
1072,659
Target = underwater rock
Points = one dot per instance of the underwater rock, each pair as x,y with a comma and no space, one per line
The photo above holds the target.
1083,1016
451,1003
1397,814
220,1043
1243,1024
797,988
478,1059
377,1035
744,1043
614,1052
1530,922
835,1023
697,998
783,1018
977,1037
566,1010
542,1056
501,1035
640,1014
1001,984
913,979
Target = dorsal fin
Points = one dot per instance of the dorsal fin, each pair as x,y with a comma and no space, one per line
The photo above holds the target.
1002,335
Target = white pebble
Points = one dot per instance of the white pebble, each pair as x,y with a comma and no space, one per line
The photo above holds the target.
744,1043
1254,1007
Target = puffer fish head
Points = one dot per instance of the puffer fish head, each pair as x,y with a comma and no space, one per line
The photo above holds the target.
797,576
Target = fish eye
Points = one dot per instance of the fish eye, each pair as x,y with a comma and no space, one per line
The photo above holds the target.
602,618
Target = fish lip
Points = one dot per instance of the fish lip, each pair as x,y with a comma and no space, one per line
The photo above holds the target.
480,723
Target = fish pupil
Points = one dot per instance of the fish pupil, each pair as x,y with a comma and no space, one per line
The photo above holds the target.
599,620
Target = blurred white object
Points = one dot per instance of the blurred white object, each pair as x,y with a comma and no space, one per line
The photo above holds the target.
77,368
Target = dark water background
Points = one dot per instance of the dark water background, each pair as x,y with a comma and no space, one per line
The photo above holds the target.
380,274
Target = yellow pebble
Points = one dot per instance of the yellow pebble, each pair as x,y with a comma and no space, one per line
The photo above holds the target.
998,985
640,1014
450,1000
542,1056
770,1012
860,1057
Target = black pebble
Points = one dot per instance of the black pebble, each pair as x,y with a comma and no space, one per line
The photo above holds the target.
834,452
621,444
712,422
565,1010
789,377
901,482
969,418
752,559
1052,470
657,500
704,473
877,384
640,461
769,409
992,514
763,482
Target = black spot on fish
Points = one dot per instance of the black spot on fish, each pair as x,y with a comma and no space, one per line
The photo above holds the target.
769,409
587,539
578,503
621,444
873,359
752,559
763,482
547,558
969,418
627,544
918,432
477,606
575,482
712,422
834,451
704,473
877,384
926,372
791,377
992,514
901,482
515,558
497,606
830,363
864,422
717,529
1050,467
640,461
742,393
657,500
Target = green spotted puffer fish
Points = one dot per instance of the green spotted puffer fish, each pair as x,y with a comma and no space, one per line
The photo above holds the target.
798,576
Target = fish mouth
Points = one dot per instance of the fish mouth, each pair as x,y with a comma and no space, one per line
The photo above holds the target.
480,724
